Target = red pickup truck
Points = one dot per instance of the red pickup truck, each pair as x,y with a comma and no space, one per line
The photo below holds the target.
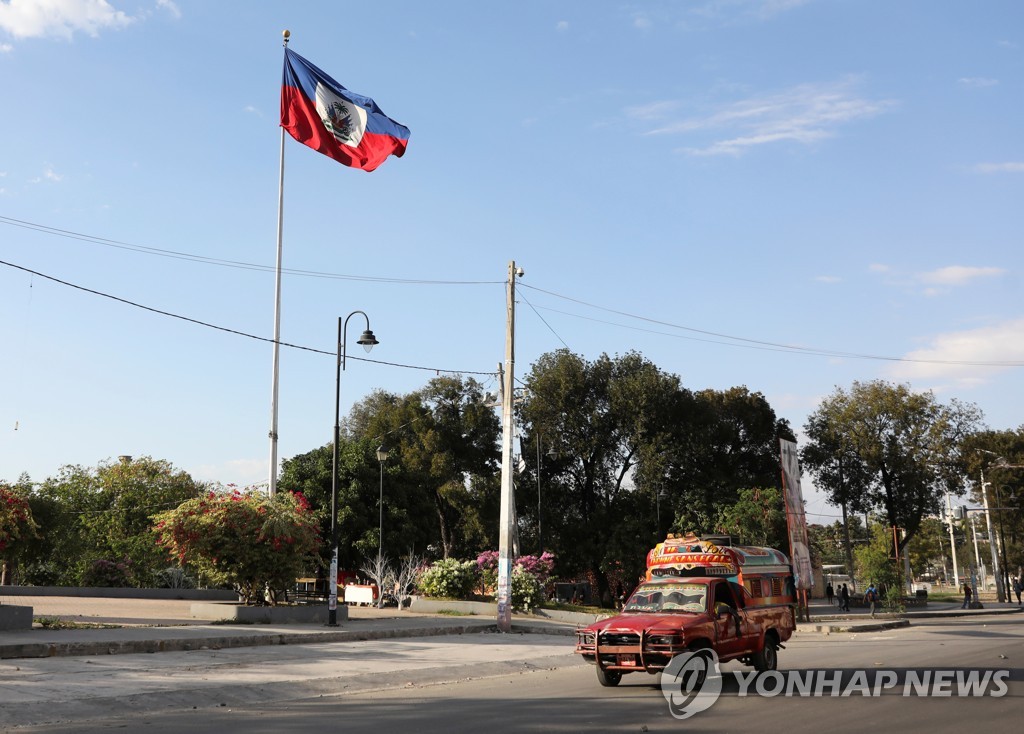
737,601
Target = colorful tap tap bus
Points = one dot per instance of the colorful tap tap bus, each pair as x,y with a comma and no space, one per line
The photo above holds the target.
739,601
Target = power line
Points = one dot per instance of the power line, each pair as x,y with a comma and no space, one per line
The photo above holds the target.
734,341
235,331
237,264
758,343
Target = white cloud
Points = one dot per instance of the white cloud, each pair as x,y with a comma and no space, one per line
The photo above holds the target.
59,18
642,22
6,48
1008,167
171,7
958,275
804,114
878,268
977,81
828,278
49,175
965,358
727,10
562,26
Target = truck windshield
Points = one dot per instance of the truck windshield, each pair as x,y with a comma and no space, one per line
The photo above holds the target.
663,597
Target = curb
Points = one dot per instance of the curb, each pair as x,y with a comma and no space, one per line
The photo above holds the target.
870,627
77,648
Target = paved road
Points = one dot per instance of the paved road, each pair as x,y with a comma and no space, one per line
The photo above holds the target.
494,682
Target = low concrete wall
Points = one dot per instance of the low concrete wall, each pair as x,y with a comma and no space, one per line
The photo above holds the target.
15,618
486,609
120,593
282,614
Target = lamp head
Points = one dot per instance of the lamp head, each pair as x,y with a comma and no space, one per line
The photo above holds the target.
382,453
368,340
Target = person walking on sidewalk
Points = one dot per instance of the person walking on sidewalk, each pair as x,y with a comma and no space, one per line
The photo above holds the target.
829,593
967,596
1018,587
844,599
871,597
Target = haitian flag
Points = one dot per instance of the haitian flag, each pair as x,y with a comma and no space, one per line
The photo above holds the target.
348,127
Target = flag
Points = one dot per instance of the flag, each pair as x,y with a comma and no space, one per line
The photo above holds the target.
348,127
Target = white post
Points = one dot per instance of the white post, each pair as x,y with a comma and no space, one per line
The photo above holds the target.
275,378
952,543
1000,597
505,522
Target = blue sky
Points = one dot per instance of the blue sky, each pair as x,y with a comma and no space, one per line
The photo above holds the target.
698,181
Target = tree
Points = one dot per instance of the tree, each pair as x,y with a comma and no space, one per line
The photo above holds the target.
248,541
901,451
722,442
443,441
757,518
103,514
17,527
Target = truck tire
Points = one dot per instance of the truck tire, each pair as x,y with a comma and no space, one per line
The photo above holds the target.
767,658
608,678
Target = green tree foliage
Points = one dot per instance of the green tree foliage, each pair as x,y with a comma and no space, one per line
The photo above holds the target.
875,562
443,441
757,518
1000,455
930,547
636,454
247,541
902,447
103,514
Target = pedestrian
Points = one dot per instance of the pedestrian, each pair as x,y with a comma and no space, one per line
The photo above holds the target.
967,596
871,597
844,598
829,593
1018,587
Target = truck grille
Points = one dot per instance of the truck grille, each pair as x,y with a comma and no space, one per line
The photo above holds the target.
617,639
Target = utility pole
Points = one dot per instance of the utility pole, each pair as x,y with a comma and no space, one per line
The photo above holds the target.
505,552
952,542
1000,592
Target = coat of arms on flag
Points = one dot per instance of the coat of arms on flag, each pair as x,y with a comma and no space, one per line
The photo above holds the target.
348,127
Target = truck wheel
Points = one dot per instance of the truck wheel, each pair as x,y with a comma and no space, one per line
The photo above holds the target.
767,658
608,678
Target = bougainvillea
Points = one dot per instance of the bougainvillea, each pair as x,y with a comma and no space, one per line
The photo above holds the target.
248,541
16,523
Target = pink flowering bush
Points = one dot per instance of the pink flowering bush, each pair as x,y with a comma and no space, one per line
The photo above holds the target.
247,541
529,576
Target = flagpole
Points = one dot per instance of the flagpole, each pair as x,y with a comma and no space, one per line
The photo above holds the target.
277,314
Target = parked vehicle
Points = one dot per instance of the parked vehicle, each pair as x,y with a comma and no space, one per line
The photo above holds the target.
739,601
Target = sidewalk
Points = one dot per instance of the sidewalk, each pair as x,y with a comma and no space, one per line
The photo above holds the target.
828,618
149,625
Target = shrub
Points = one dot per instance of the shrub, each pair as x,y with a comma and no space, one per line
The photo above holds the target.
175,578
247,541
527,590
16,524
107,573
450,578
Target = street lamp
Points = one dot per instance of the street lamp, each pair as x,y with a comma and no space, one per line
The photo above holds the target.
368,340
382,456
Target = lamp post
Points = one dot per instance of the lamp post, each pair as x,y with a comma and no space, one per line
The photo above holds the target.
368,340
382,456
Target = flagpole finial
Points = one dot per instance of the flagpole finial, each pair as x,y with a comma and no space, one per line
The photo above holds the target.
286,34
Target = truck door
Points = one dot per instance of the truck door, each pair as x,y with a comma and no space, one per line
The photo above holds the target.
729,621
